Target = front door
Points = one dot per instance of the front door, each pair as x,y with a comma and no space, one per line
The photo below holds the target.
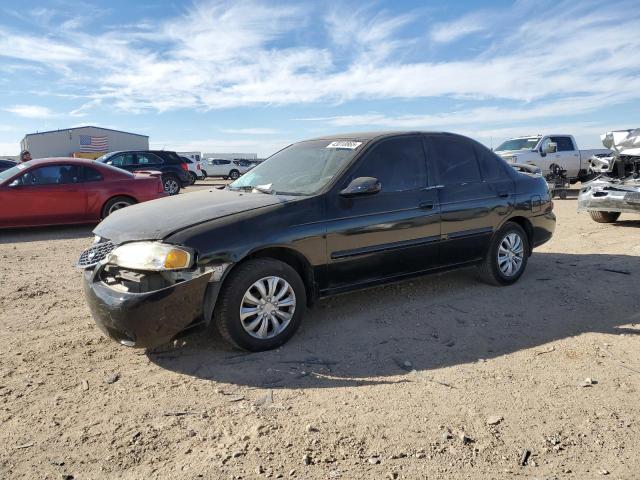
48,195
388,234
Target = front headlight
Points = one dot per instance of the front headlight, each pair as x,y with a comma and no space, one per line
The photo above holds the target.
153,256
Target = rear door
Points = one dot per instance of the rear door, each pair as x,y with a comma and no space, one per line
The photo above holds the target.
392,233
148,161
475,194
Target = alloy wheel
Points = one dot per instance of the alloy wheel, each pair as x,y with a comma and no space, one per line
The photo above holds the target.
118,206
510,254
171,186
267,307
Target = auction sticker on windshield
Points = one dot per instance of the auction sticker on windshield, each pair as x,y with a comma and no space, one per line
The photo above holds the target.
344,144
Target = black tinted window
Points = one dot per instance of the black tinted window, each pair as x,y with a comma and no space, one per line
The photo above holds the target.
52,175
491,165
564,143
91,175
121,160
148,159
455,159
398,163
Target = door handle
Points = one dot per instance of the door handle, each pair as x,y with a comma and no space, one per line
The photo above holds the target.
427,205
503,194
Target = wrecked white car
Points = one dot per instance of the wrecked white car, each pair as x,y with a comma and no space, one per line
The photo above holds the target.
617,189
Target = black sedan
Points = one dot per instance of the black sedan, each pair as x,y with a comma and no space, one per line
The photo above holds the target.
319,217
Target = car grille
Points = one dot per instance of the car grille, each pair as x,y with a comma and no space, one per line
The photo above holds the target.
95,254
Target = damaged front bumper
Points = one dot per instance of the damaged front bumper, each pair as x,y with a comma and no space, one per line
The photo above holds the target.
606,194
151,314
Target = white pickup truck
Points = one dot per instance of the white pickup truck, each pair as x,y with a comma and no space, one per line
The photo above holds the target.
544,150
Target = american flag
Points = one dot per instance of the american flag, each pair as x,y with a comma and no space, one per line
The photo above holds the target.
89,143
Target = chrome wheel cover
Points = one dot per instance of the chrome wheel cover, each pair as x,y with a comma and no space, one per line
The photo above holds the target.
510,254
267,307
118,206
171,186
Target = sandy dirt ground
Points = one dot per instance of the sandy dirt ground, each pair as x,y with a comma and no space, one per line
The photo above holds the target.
440,377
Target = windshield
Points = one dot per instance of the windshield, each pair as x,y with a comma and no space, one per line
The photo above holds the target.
12,171
519,144
300,169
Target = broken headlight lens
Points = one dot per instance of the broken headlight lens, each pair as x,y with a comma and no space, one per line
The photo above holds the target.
152,256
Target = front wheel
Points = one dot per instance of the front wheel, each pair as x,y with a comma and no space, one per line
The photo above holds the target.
234,174
604,217
507,257
261,305
171,184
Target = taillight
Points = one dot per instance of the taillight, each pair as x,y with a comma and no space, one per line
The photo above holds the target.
198,167
184,166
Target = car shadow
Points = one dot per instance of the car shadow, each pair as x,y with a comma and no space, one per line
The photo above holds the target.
40,234
425,324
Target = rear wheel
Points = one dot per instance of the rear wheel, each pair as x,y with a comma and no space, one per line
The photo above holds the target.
192,178
261,305
234,174
507,256
171,184
116,203
605,217
204,174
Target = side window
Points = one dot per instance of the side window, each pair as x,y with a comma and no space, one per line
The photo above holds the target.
492,167
564,144
52,175
148,159
121,160
455,159
398,163
225,162
91,174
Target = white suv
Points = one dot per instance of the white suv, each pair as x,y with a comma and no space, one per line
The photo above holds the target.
217,167
195,169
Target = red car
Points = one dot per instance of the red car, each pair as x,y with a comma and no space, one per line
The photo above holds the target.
68,190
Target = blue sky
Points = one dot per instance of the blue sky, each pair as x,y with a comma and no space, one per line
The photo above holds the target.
257,75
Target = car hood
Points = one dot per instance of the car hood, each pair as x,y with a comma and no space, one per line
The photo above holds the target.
160,218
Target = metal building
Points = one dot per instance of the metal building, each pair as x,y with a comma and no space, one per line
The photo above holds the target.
85,142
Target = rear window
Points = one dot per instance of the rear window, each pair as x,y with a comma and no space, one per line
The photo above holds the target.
492,167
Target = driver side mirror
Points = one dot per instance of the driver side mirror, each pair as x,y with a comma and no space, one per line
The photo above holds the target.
550,148
362,186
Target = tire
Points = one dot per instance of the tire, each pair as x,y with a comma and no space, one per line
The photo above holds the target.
234,174
563,194
192,178
116,203
605,217
490,269
171,184
241,282
204,174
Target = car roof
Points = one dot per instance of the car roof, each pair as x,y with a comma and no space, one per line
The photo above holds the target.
366,136
53,160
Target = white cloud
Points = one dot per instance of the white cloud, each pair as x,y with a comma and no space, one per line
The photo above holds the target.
572,56
251,131
451,31
30,111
